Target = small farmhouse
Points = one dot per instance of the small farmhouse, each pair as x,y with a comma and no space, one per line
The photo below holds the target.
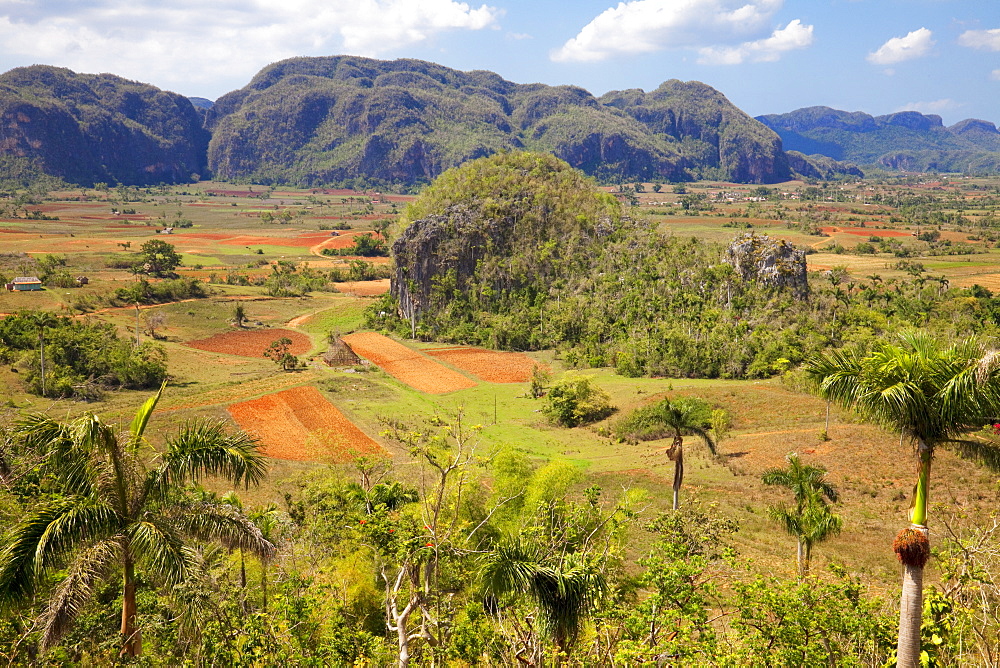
24,283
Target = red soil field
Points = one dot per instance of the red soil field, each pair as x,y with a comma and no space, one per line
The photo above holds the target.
251,342
301,425
365,288
865,232
487,365
307,240
406,365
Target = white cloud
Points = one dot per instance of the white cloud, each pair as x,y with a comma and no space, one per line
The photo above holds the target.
204,41
981,39
941,106
914,45
645,26
995,75
793,36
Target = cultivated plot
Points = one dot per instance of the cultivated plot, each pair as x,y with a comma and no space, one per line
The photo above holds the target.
301,425
406,365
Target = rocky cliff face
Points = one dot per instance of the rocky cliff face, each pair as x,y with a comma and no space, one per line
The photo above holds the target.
773,263
403,122
90,128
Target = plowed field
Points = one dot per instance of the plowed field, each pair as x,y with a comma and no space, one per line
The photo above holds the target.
251,343
488,365
301,425
365,288
406,365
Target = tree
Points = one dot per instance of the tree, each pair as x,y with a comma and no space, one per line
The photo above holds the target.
154,320
575,400
675,418
278,351
119,504
239,314
934,394
42,319
158,257
810,520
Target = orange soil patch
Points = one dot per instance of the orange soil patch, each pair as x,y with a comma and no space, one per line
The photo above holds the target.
488,365
365,288
865,232
406,365
300,424
251,343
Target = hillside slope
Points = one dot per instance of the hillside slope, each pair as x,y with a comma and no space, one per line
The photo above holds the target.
905,140
314,120
88,128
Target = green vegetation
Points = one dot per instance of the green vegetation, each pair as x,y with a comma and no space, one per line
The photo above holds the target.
66,358
494,536
365,245
575,400
102,508
90,128
158,257
297,122
566,269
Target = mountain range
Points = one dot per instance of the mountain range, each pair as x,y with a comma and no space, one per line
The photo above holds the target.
363,122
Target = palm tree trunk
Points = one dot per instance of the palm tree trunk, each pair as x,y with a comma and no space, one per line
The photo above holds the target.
263,586
131,636
41,346
678,476
806,558
800,557
911,598
910,614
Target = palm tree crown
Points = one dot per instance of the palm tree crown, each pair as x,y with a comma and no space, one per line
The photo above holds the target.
118,505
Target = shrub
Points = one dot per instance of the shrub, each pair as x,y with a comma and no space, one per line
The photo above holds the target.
575,400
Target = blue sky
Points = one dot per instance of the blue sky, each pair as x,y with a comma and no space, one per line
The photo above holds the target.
767,56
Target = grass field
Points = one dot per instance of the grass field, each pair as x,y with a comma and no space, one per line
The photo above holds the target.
229,227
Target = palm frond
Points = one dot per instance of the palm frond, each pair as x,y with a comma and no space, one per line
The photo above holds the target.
224,523
510,568
70,522
159,548
88,569
33,546
565,595
69,462
207,448
142,416
982,452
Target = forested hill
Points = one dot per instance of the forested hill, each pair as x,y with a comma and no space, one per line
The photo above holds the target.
88,128
310,120
905,140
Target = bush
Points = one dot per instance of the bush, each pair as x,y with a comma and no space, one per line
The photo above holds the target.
575,400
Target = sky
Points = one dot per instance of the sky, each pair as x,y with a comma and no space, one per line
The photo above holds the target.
767,56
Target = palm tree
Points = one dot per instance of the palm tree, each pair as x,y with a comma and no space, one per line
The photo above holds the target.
934,394
119,505
810,521
43,319
564,589
683,417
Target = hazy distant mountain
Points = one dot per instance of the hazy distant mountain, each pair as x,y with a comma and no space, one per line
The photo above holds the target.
905,140
88,128
317,120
